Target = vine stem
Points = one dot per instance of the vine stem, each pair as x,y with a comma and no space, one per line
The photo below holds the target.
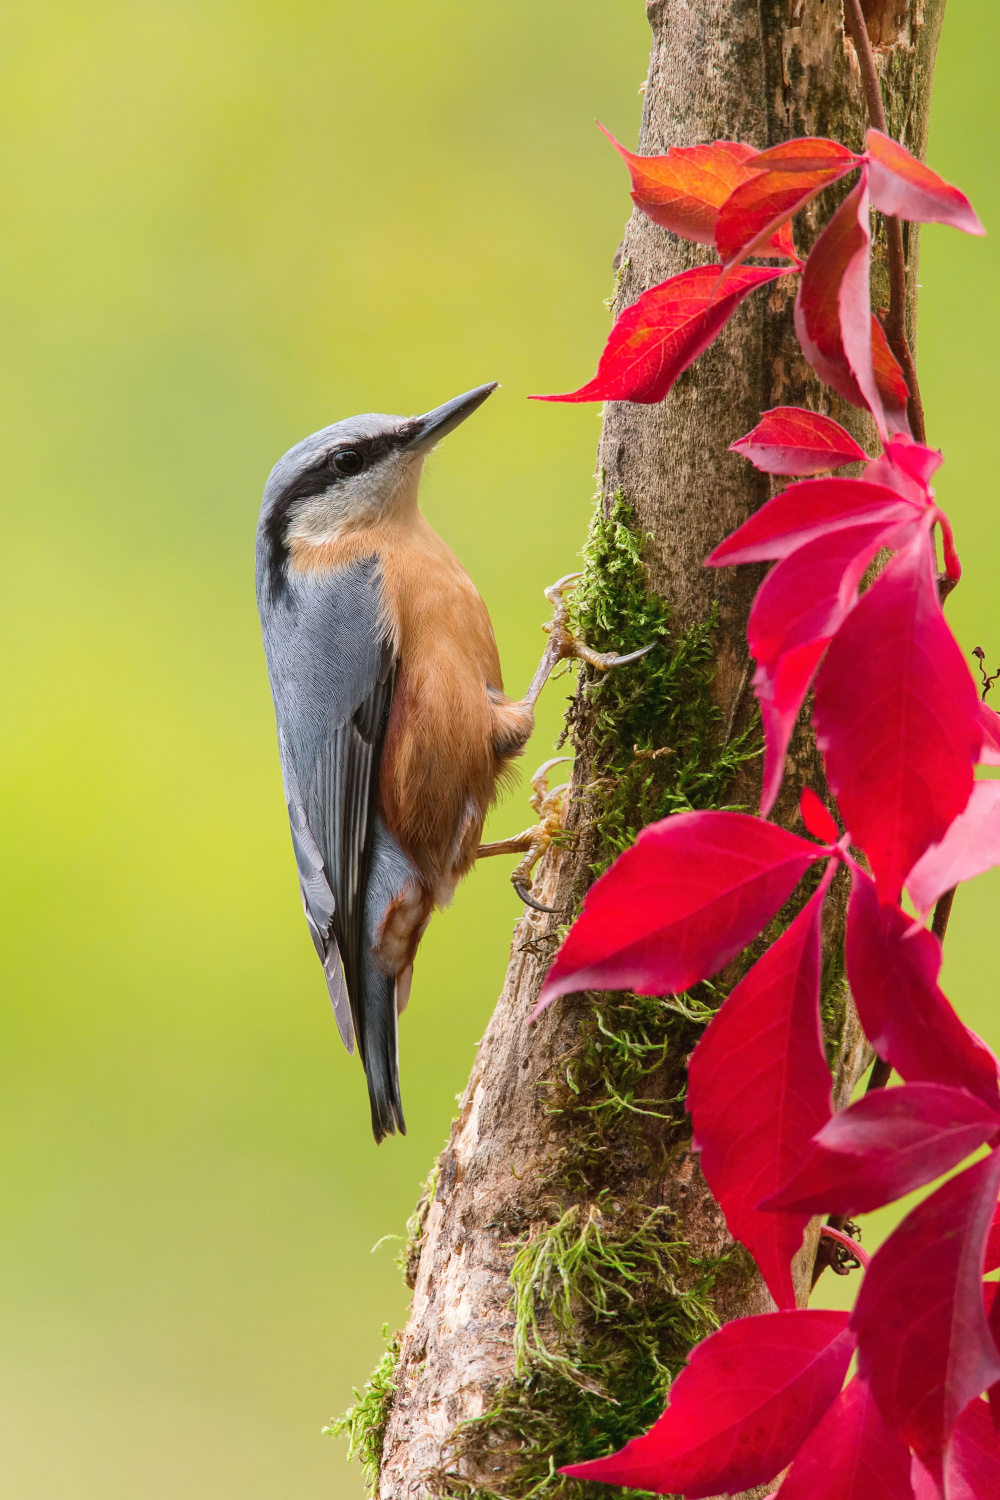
895,332
895,323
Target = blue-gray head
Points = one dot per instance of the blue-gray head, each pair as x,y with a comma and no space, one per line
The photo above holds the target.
351,474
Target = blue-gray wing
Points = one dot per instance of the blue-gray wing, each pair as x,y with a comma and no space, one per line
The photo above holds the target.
332,668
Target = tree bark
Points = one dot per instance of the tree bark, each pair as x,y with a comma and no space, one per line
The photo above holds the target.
570,1164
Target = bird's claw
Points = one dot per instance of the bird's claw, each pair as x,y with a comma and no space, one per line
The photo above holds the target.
565,644
550,806
529,899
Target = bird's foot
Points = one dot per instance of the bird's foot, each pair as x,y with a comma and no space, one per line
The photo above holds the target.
563,644
550,806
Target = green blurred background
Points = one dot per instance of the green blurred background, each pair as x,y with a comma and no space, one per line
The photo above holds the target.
224,226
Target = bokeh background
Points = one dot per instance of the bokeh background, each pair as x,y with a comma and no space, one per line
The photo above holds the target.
225,225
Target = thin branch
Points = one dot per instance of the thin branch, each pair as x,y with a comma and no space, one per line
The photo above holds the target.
895,323
880,1074
942,912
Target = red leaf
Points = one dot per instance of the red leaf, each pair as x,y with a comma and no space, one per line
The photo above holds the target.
893,973
973,1463
817,818
657,338
906,467
684,189
887,1144
993,1244
806,153
840,338
851,1455
690,894
890,382
989,721
903,186
814,508
758,208
896,718
798,609
915,460
971,845
993,1318
759,1088
780,690
788,440
748,1397
924,1344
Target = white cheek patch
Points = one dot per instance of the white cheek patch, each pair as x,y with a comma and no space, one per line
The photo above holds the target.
352,504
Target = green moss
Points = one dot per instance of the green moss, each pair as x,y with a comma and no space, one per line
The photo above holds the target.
409,1257
654,737
364,1423
607,1302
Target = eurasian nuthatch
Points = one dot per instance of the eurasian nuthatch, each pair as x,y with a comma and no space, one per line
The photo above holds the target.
393,726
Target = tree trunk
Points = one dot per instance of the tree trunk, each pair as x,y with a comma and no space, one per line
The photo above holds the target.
568,1252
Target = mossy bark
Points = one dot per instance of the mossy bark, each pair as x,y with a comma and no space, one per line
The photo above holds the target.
570,1252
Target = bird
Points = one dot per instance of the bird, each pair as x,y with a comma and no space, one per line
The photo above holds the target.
394,731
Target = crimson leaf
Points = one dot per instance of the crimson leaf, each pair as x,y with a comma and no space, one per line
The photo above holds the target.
814,508
798,609
888,1143
759,207
970,846
689,895
893,973
817,818
851,1455
789,440
759,1088
989,722
749,1396
924,1344
896,718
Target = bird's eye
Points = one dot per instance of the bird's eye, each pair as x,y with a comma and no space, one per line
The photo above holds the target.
346,461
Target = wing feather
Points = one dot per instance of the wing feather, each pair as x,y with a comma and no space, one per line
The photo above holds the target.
332,670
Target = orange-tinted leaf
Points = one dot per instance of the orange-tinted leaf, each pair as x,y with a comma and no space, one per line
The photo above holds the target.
807,153
659,336
684,189
889,377
901,185
790,440
760,207
840,337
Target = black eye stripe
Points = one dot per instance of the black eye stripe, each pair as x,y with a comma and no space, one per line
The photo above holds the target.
318,478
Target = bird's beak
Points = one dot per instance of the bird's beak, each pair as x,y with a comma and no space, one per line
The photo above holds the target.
434,425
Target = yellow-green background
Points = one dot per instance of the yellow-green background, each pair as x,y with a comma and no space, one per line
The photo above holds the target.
224,225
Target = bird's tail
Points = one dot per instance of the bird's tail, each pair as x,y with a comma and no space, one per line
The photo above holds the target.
377,1042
